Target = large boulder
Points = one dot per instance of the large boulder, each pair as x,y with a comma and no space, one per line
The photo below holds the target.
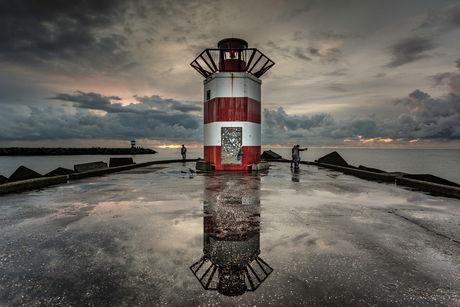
333,158
23,173
89,166
3,179
270,155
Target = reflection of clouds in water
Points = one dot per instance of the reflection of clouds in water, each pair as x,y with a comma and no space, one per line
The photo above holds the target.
159,228
416,197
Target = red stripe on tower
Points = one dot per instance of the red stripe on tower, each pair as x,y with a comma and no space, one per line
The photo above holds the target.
227,109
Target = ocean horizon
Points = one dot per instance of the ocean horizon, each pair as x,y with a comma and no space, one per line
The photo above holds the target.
439,162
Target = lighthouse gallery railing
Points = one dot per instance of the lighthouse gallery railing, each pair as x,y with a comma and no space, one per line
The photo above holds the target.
232,60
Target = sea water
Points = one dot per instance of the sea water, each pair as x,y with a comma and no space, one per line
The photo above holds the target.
439,162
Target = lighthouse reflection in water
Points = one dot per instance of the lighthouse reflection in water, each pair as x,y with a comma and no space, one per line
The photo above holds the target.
231,262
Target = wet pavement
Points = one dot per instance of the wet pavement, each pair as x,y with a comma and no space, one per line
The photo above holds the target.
163,235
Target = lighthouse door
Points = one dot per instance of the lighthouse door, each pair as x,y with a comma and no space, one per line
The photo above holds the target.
231,146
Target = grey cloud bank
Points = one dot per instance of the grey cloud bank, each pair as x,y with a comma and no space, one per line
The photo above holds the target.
345,73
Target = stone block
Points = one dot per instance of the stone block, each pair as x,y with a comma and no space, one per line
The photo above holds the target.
120,161
23,173
431,178
203,166
31,184
333,158
430,187
370,169
383,177
89,166
59,171
259,166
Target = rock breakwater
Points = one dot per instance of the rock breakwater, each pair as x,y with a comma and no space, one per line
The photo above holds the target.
42,151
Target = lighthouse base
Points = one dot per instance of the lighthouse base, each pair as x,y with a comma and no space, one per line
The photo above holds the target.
249,155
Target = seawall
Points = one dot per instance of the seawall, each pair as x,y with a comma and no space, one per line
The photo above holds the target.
38,183
42,151
431,187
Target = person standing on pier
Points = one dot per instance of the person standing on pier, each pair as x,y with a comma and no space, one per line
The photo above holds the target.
183,152
295,154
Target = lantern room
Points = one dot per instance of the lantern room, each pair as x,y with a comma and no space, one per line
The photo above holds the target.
232,55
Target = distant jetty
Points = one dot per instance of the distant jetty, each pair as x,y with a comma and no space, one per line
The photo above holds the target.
26,151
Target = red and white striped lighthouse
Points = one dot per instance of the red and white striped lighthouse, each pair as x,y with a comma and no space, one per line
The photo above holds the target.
232,103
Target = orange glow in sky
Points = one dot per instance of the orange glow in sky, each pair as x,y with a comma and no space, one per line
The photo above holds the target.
170,146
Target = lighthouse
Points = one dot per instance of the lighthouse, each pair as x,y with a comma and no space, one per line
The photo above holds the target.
232,103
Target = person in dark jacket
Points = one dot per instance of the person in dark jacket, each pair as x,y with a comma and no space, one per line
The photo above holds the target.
292,161
183,152
295,154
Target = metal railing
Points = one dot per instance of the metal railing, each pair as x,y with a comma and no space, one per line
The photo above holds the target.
232,60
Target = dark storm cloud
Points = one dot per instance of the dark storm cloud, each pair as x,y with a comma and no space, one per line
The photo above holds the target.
92,101
289,51
454,84
280,120
330,35
170,121
293,13
428,118
152,118
184,107
324,36
313,51
54,123
451,78
146,116
160,103
338,72
130,66
429,109
439,78
325,55
68,34
336,88
447,18
298,53
279,125
409,50
95,101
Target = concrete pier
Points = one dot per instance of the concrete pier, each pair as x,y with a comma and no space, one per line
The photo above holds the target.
129,239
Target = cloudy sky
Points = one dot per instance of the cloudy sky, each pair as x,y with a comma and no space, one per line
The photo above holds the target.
347,74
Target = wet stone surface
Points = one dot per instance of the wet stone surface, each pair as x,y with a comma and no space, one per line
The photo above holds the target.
167,236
